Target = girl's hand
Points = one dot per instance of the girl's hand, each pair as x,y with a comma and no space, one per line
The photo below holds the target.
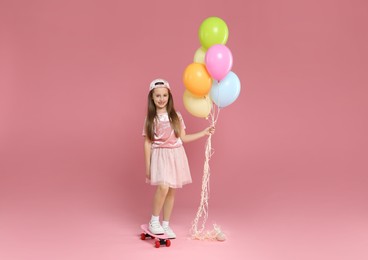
148,175
209,130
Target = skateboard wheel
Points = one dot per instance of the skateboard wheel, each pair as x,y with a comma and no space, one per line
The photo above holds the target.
168,243
157,244
143,236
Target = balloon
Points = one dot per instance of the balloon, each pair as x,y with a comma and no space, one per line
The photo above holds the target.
197,106
226,91
199,55
213,30
219,61
197,80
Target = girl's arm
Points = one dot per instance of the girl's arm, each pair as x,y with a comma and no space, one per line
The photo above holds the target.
147,156
192,137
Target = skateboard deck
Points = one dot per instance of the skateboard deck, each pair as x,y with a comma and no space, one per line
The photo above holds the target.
159,239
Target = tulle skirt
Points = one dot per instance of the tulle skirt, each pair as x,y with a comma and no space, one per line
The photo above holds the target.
169,166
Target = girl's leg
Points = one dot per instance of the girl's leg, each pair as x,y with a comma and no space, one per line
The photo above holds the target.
168,207
169,204
158,202
159,199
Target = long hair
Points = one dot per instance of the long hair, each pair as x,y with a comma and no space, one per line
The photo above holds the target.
151,116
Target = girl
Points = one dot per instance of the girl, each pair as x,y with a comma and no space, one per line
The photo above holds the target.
166,162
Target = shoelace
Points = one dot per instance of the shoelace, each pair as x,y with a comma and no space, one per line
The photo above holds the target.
155,224
168,229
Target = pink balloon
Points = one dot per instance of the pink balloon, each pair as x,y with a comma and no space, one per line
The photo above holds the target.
219,61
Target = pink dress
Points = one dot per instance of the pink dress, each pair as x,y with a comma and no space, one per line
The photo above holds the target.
169,163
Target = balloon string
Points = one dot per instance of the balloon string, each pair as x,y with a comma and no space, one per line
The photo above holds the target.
202,212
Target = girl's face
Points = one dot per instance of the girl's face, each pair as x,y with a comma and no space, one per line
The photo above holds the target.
160,97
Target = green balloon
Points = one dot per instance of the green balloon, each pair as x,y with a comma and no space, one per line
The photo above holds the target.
213,30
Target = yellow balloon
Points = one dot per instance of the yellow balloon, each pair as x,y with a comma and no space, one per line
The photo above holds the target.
197,80
199,55
213,30
197,106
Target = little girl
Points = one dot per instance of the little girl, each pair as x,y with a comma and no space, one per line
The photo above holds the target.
166,162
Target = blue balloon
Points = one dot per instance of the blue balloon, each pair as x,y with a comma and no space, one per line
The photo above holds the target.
226,91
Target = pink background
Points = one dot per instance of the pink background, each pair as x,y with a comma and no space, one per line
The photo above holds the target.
289,173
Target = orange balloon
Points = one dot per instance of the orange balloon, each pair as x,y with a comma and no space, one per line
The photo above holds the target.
197,80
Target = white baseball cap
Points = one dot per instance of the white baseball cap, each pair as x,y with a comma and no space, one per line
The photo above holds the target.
159,83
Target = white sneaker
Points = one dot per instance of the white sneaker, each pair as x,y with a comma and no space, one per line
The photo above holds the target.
169,232
155,228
